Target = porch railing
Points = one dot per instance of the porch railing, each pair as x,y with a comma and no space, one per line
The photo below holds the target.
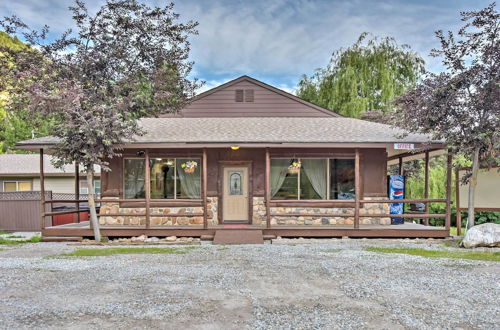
356,204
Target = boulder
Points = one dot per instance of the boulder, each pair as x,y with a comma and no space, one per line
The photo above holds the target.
139,239
487,234
152,240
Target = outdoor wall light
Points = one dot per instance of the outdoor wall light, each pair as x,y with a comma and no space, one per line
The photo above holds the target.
235,147
141,153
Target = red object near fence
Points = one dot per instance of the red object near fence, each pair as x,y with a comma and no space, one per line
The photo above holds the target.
63,219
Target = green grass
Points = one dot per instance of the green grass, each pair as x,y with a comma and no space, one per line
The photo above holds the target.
453,243
3,232
5,241
331,250
127,250
483,255
14,236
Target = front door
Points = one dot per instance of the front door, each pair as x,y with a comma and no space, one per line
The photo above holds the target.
235,194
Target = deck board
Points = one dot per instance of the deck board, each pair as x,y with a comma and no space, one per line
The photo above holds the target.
410,230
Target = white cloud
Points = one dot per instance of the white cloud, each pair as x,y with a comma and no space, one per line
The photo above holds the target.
279,40
289,38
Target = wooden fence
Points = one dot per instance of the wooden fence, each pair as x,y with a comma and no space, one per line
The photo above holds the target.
20,211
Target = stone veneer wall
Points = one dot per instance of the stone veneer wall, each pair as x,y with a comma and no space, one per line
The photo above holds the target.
259,215
308,217
114,208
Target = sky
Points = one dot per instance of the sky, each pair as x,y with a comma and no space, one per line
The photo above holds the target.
277,41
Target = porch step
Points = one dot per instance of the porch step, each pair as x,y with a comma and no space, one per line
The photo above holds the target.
238,236
61,239
269,237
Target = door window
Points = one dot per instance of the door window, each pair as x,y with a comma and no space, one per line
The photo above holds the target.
235,183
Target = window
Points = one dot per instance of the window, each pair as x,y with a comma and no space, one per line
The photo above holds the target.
170,178
238,95
246,95
84,188
10,186
133,177
342,179
312,178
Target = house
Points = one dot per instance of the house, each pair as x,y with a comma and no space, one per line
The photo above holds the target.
248,156
20,192
486,197
21,172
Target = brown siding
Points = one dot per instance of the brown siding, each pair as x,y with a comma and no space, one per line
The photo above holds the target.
374,172
267,103
373,162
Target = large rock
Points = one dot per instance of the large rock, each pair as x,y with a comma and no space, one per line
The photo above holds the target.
487,234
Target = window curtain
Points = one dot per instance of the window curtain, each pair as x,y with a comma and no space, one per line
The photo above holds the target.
190,182
315,170
279,169
134,178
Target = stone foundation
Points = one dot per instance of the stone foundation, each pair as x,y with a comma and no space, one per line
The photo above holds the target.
259,215
259,211
307,215
114,208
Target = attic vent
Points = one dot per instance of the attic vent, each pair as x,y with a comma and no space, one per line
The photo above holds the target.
248,95
238,95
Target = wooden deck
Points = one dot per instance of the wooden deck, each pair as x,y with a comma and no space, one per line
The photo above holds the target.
410,230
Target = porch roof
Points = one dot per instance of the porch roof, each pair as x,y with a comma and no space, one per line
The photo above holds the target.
261,130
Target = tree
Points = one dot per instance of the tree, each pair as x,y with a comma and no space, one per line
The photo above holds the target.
124,62
366,76
462,105
15,126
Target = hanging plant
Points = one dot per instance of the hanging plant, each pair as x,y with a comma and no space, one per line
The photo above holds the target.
189,166
294,168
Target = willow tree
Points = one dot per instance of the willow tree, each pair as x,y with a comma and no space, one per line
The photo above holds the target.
125,61
366,76
462,105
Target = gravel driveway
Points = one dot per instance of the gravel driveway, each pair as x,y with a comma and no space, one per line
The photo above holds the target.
301,286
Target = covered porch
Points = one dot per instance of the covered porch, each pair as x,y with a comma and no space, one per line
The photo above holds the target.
204,216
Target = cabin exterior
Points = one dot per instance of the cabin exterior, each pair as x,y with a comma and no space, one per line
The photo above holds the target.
248,156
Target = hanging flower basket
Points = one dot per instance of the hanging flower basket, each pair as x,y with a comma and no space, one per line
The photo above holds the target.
189,166
294,168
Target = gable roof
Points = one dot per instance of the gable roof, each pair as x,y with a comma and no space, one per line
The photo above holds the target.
29,165
261,131
269,101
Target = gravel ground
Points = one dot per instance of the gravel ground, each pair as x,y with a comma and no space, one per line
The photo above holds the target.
278,286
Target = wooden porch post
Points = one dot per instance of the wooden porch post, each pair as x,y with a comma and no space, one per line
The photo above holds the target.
77,191
401,170
457,202
448,190
357,189
204,179
268,188
426,186
147,187
42,191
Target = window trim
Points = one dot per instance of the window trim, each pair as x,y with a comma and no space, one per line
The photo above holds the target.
328,177
197,158
17,185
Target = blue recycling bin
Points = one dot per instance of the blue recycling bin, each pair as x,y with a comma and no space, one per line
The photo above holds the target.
396,191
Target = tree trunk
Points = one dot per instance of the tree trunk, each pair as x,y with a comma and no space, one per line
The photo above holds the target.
472,189
93,213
